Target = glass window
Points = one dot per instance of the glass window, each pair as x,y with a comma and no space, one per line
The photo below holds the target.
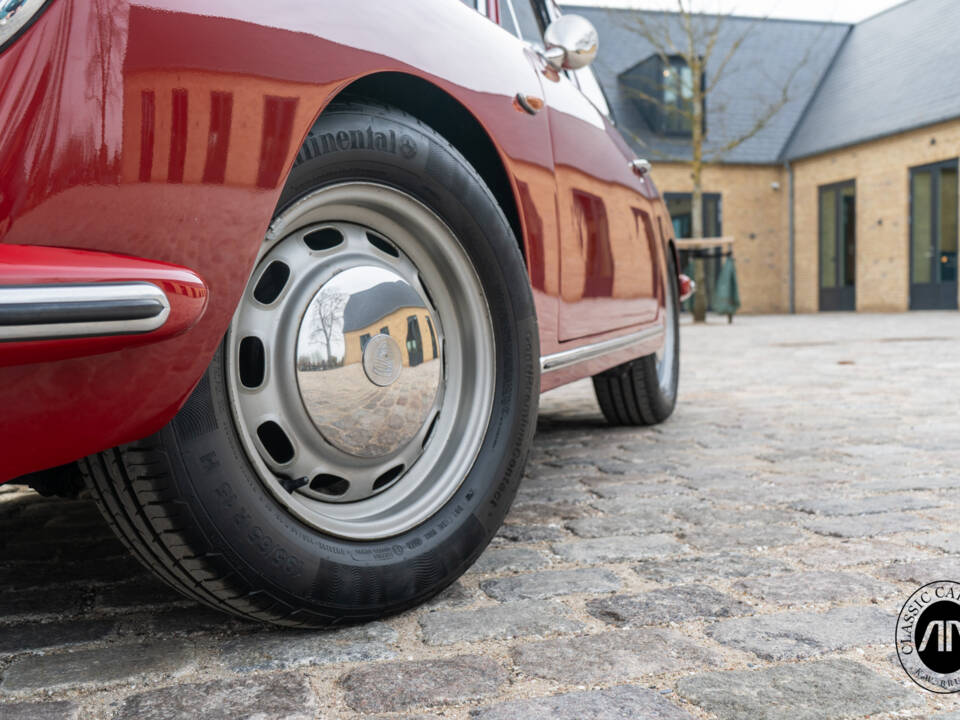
524,19
677,97
662,89
922,227
948,224
828,239
590,86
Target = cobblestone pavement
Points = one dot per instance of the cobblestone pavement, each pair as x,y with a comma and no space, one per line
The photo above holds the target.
746,559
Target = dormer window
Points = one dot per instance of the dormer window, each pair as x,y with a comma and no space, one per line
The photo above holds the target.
662,89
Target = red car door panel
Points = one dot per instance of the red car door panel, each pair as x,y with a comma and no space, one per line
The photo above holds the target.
607,270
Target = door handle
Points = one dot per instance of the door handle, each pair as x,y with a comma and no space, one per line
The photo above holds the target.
528,103
640,166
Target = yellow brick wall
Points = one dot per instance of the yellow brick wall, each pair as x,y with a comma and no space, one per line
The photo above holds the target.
882,173
756,215
396,323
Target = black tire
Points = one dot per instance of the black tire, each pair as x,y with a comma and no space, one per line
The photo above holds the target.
189,504
631,393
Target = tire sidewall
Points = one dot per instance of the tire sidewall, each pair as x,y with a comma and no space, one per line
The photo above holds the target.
240,517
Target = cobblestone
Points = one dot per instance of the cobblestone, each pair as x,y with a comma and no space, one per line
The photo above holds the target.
613,657
640,523
614,704
726,565
96,667
497,560
815,587
733,537
790,635
869,525
30,637
542,585
618,549
673,604
866,505
921,572
846,553
286,650
516,619
809,691
39,711
745,559
398,686
278,697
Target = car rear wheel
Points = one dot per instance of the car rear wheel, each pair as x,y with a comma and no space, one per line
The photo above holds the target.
360,434
644,391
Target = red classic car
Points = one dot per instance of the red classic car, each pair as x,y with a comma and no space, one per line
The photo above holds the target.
281,283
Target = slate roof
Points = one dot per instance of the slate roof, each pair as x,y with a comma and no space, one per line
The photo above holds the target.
753,80
897,70
370,306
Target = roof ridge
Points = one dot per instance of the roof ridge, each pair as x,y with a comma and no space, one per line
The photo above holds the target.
732,16
885,11
783,154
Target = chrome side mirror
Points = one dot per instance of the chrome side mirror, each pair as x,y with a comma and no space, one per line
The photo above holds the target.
571,43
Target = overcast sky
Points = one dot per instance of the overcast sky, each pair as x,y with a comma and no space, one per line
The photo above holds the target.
838,10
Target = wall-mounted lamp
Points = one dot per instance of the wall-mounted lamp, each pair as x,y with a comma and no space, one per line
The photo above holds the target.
775,186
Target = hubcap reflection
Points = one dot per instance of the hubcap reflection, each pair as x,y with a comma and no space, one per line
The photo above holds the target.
367,394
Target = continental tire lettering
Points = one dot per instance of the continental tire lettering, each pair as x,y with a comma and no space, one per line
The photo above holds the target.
389,142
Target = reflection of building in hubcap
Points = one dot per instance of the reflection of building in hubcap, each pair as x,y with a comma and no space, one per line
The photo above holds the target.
367,377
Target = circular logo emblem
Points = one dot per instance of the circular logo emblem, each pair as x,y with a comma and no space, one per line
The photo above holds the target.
928,636
382,360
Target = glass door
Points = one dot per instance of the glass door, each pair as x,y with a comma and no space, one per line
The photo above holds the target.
838,246
933,236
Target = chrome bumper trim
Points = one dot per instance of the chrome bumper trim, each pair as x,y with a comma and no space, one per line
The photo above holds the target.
48,312
568,358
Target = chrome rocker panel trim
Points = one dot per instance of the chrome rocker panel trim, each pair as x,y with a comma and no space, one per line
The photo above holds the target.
569,358
49,312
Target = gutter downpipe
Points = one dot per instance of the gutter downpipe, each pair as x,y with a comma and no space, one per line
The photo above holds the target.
790,239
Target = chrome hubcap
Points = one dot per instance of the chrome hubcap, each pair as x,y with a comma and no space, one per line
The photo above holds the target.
365,394
360,362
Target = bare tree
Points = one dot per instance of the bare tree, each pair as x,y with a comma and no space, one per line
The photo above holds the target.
328,319
691,36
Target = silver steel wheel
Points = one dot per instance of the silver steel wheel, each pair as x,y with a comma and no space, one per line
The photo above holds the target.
666,355
360,362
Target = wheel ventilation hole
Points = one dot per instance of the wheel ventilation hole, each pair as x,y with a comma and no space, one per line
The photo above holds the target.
252,361
275,442
388,477
325,239
433,426
330,485
272,282
382,245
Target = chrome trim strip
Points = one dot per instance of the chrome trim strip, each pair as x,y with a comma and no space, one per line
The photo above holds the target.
127,308
568,358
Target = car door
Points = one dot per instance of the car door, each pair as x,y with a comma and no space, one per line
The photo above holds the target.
608,255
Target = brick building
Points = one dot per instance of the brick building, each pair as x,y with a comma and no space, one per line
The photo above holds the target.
848,198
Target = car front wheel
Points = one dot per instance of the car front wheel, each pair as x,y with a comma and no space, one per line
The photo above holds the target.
360,434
